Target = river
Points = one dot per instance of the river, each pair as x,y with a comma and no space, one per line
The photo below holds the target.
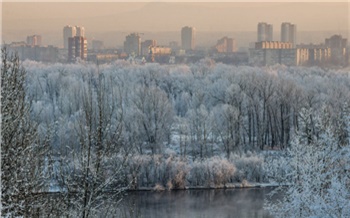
225,203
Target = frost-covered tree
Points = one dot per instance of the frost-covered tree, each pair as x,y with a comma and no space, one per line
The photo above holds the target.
224,120
91,165
320,178
200,130
21,155
91,117
153,114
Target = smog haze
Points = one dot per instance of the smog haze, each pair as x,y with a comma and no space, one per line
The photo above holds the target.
111,21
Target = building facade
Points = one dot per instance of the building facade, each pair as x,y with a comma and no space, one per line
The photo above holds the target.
145,46
339,51
188,38
132,44
34,40
35,53
160,54
80,31
289,33
268,57
77,48
68,31
226,45
265,32
318,55
268,53
273,45
159,50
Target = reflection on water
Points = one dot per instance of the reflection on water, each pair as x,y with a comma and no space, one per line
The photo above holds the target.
240,203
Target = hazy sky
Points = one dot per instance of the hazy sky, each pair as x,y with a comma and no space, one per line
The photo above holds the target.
20,19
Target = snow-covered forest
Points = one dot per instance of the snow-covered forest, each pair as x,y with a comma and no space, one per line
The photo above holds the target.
79,131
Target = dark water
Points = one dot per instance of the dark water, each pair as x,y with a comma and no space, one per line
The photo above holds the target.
232,203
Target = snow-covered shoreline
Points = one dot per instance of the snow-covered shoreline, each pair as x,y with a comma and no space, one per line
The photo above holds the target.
226,186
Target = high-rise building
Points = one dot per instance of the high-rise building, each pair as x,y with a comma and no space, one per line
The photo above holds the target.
132,44
188,38
34,40
68,31
77,48
289,33
80,31
226,45
265,32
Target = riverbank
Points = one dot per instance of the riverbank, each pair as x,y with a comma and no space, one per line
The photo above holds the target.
226,186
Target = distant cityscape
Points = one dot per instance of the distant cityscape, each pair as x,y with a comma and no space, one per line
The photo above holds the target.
266,51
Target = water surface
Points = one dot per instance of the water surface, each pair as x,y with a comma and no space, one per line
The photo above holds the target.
226,203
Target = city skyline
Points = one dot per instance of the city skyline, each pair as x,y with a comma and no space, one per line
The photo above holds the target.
22,19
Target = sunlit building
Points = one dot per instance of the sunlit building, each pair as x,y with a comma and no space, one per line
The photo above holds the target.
226,45
34,40
273,45
145,46
265,32
188,38
80,31
318,54
157,54
268,57
267,53
77,48
159,50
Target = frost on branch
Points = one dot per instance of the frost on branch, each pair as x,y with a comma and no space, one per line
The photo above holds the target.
21,156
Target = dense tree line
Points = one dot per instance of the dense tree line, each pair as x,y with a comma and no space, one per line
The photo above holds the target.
101,129
206,108
194,111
